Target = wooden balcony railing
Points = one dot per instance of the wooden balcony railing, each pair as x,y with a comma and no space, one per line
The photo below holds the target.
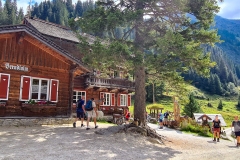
110,83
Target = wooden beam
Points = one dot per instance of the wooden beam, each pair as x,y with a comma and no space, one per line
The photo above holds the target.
7,35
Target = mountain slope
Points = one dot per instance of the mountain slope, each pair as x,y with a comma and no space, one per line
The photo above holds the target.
230,33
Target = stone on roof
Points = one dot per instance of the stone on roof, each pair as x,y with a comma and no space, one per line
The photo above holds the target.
52,29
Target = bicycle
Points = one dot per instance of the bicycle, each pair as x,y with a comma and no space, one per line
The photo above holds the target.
121,120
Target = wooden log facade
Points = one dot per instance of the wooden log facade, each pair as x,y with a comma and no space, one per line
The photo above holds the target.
39,61
32,68
110,97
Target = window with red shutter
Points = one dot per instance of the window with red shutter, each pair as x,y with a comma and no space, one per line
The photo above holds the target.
129,100
112,99
25,88
119,100
54,90
4,86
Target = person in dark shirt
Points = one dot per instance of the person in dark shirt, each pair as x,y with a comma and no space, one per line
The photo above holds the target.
236,125
80,111
165,120
216,128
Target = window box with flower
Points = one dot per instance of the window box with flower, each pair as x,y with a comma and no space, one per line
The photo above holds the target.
41,108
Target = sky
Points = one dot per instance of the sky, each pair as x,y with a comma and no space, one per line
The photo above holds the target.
229,8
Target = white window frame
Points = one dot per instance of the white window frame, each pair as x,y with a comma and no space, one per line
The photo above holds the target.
123,99
39,89
107,102
7,86
78,94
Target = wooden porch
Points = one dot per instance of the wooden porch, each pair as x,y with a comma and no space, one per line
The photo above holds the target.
113,83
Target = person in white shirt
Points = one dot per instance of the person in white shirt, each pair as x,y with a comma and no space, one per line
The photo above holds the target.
92,113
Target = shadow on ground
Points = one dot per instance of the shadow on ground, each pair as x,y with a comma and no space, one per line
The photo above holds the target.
65,142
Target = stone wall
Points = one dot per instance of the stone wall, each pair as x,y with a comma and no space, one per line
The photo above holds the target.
44,121
34,121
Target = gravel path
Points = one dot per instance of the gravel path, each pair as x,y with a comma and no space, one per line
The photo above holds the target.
194,147
64,142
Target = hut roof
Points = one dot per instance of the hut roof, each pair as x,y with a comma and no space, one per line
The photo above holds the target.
212,116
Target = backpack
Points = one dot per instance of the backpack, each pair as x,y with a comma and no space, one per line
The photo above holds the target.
88,106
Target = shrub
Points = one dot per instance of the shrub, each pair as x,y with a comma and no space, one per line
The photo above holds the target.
195,128
220,105
209,104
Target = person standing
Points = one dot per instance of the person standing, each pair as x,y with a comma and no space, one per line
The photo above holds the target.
236,125
127,116
216,128
165,121
91,112
80,111
160,120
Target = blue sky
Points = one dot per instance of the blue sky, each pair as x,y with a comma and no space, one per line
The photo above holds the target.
229,8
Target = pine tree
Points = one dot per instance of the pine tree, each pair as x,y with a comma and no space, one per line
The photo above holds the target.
191,107
173,41
238,104
223,75
218,86
78,9
220,105
70,8
20,16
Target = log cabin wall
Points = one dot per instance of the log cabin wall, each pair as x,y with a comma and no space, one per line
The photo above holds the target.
22,49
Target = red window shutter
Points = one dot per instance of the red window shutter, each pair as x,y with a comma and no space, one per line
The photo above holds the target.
25,88
119,100
129,100
112,99
54,90
4,86
101,97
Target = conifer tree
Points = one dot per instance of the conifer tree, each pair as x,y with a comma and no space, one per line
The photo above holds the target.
172,40
238,104
191,107
218,86
220,105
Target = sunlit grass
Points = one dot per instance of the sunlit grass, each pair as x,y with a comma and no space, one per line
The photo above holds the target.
229,104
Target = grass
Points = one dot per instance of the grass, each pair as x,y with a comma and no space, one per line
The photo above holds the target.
229,104
103,121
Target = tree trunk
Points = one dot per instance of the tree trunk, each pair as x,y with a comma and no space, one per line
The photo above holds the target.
140,95
140,92
153,90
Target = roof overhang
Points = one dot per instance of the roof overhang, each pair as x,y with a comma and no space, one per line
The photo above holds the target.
37,35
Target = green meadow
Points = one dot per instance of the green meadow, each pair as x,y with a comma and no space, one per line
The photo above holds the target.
229,104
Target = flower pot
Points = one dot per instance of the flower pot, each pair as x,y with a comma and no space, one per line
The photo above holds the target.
3,104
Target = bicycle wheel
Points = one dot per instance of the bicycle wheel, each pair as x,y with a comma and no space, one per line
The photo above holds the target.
119,121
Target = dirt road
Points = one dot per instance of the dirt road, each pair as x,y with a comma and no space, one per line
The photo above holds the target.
194,147
64,142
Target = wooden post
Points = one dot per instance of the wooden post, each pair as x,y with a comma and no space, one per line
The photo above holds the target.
176,109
